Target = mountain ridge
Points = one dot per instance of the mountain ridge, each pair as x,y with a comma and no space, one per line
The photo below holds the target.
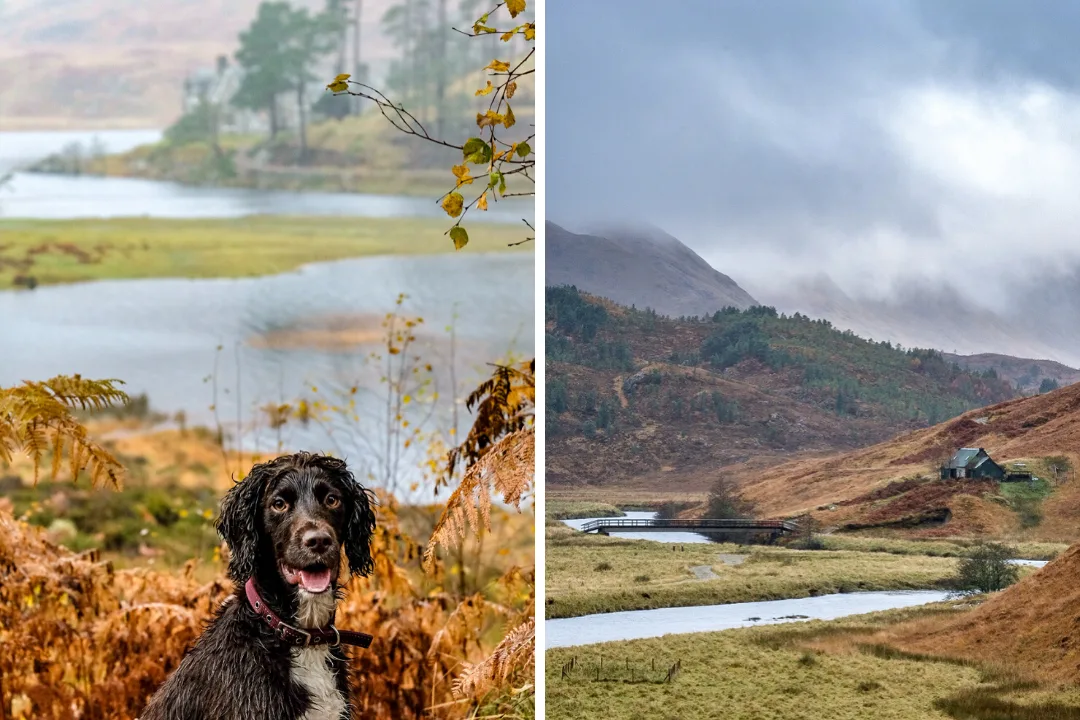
643,267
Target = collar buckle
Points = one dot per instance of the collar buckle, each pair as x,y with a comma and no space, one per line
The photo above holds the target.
284,628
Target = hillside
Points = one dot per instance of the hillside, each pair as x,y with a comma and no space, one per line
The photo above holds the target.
1026,373
894,484
1030,627
112,64
644,267
656,405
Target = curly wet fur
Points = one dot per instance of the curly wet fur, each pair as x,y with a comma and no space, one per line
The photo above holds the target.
239,669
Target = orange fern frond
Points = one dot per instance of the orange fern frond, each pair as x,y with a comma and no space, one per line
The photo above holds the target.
36,417
514,655
499,453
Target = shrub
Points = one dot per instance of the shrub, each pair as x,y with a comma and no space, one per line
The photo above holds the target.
987,570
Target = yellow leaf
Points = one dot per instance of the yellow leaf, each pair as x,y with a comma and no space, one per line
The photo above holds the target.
461,172
486,90
508,119
511,88
342,77
461,239
482,202
453,203
488,119
530,31
516,7
338,86
498,155
498,66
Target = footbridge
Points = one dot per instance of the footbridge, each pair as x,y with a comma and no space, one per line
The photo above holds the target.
706,526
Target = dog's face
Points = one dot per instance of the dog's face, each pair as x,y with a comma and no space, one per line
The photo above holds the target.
293,517
304,516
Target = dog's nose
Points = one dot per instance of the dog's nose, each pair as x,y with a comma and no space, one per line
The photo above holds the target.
318,541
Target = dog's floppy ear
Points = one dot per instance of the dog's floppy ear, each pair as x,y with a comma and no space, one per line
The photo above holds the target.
240,523
360,518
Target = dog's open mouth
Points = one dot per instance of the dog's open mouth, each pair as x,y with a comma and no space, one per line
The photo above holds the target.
313,578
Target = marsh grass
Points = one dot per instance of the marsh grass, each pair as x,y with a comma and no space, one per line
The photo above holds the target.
815,671
953,547
571,509
63,251
641,574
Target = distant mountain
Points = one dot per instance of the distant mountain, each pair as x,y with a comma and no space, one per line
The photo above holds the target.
1039,323
1029,375
117,64
635,400
642,267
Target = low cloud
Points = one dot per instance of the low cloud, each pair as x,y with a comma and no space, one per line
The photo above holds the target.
875,142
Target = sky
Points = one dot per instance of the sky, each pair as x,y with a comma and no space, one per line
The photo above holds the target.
873,140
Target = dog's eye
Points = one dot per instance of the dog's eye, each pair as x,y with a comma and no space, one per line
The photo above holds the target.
332,501
279,504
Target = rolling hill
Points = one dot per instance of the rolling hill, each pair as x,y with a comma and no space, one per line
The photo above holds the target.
117,64
644,267
894,484
1030,627
658,406
1027,374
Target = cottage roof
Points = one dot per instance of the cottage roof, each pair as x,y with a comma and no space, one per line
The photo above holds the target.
963,457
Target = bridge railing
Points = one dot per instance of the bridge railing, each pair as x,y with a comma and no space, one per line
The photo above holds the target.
689,524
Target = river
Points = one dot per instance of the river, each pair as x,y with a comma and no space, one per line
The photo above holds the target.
161,336
638,624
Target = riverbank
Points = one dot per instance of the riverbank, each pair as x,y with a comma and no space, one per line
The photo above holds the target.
199,165
839,670
356,154
589,574
46,252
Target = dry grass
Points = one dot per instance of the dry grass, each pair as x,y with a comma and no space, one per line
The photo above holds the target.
1031,626
951,547
593,574
569,509
838,670
752,674
1028,428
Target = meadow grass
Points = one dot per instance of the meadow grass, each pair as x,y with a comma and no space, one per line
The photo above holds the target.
589,574
951,547
62,251
813,671
570,509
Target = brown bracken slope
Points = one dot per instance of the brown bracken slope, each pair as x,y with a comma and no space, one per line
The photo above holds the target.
881,483
1032,627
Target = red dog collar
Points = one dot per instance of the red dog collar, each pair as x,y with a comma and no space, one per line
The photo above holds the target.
297,636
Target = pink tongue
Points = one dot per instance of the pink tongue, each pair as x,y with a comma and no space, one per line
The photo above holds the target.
315,581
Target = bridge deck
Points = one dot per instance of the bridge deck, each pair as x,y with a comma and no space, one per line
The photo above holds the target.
695,525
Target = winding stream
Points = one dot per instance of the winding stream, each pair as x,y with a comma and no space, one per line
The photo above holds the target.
638,624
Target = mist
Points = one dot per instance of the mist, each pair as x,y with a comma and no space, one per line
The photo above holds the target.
889,145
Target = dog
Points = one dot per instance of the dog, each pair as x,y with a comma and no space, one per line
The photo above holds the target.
272,650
